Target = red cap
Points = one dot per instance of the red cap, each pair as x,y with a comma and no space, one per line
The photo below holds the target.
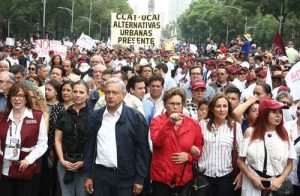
214,73
262,73
198,83
34,54
283,89
250,77
271,104
211,63
231,70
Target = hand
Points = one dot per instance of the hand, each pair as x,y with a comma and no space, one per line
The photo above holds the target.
238,181
180,157
23,165
78,165
253,98
276,183
195,151
68,165
88,185
137,189
257,183
176,118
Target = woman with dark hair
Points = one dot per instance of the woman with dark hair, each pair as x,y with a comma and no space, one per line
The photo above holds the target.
266,156
23,138
32,69
218,133
202,109
70,138
177,142
49,174
263,91
56,60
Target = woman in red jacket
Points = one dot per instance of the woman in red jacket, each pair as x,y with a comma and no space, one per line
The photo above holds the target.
173,135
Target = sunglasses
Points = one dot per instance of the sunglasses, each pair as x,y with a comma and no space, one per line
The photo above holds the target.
31,68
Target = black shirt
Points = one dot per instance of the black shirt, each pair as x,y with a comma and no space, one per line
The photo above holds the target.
74,128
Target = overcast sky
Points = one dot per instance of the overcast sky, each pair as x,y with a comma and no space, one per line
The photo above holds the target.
141,6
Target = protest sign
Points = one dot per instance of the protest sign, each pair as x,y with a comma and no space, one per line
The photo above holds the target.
10,41
68,43
131,29
293,81
42,47
86,42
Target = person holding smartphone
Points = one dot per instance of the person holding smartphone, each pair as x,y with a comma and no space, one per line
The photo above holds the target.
266,154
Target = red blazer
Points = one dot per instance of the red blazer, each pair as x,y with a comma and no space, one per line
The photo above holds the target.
166,141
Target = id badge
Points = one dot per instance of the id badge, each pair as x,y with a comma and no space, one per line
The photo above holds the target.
12,149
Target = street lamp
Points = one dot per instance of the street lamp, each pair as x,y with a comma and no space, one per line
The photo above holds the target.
71,12
209,28
100,28
44,17
227,34
89,21
240,10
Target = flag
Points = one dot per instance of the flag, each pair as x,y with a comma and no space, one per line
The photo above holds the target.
278,46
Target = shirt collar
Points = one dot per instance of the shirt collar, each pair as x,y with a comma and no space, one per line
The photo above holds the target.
27,113
118,112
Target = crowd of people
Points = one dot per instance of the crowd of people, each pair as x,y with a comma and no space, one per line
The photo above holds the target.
109,122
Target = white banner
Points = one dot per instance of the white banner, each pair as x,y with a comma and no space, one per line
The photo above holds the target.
10,41
293,81
85,41
68,43
130,29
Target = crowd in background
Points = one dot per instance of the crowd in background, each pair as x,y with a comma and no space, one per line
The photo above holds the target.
165,110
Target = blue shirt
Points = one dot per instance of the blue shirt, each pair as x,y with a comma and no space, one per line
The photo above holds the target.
148,110
2,102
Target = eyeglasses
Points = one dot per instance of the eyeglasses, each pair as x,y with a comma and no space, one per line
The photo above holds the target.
19,96
195,74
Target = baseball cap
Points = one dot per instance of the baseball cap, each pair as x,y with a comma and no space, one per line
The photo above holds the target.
270,104
231,70
262,73
283,89
250,77
198,83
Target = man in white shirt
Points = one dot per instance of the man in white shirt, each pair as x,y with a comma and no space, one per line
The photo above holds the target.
117,153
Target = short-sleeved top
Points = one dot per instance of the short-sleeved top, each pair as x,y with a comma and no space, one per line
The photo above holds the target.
74,128
278,153
291,127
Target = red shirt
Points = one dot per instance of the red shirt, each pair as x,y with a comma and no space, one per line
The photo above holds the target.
166,141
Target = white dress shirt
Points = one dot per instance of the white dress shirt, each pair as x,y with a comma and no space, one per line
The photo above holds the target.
216,155
106,139
41,145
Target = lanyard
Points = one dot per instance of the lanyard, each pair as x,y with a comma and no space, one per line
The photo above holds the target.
10,127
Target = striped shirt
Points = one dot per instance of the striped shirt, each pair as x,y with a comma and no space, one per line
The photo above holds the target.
216,155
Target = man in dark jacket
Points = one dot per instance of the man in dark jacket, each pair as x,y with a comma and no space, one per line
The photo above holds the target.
117,152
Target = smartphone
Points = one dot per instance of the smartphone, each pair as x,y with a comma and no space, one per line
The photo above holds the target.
266,183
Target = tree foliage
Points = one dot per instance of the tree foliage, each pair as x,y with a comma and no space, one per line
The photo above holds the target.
219,19
26,17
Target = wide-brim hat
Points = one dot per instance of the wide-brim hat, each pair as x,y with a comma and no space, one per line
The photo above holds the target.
248,37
